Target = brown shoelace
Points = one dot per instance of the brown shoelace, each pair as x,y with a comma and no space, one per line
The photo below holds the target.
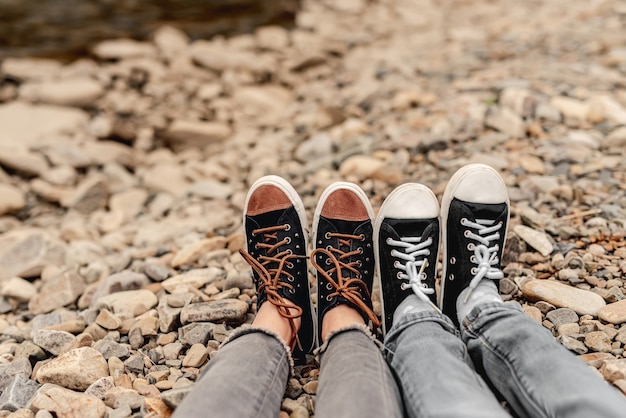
345,287
270,278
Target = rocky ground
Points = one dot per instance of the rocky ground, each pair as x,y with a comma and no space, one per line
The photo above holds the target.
123,177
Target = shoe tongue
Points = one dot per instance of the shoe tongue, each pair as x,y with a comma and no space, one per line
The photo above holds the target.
269,218
491,211
347,227
412,227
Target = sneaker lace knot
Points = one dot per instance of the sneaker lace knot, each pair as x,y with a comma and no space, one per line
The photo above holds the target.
412,264
270,269
348,287
485,255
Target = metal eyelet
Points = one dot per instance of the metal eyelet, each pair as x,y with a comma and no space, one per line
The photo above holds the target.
359,263
464,221
287,227
327,235
290,265
288,240
328,248
398,275
328,298
473,258
396,264
388,241
367,259
256,246
329,286
327,261
470,246
297,246
474,270
290,279
452,260
289,252
362,236
451,277
360,250
466,233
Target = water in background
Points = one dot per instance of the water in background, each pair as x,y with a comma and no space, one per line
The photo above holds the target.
66,29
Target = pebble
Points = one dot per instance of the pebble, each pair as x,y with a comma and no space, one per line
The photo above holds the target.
195,356
128,304
183,133
17,393
26,252
18,289
231,311
76,369
72,92
13,199
598,341
194,251
536,239
580,301
66,403
562,316
54,342
57,292
613,370
615,313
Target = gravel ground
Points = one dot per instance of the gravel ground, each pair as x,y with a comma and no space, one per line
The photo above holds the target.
123,176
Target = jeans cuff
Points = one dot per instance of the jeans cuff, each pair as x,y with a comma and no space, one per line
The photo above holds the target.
424,316
353,327
483,313
251,329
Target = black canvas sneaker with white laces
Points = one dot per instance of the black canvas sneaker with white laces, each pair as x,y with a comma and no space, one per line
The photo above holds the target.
406,241
474,218
344,253
276,244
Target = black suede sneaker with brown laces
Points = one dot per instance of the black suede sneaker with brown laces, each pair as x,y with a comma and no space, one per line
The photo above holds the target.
344,251
276,244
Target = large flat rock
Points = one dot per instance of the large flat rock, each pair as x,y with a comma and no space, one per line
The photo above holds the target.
580,301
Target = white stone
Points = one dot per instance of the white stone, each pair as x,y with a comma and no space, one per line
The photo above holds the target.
72,92
11,199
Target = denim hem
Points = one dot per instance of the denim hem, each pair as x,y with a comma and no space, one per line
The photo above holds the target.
251,329
481,314
424,316
352,327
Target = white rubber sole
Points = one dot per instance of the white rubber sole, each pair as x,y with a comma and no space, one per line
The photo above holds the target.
448,195
377,224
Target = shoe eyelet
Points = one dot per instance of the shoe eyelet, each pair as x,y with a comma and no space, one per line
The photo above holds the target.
328,248
470,246
289,252
388,241
464,221
473,259
297,246
290,279
319,242
358,276
297,235
329,286
452,260
292,291
362,237
327,235
451,277
328,298
359,263
366,272
288,240
466,233
474,270
396,264
256,246
290,265
250,241
287,227
327,261
367,259
360,250
398,276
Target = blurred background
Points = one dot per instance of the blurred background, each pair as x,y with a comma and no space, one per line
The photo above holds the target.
66,28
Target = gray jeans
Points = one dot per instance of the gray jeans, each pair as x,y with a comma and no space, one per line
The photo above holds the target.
441,375
247,378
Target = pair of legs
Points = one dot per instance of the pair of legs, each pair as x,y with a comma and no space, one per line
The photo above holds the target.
247,378
499,353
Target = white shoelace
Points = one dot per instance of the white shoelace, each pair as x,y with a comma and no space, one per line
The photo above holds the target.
411,268
485,256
